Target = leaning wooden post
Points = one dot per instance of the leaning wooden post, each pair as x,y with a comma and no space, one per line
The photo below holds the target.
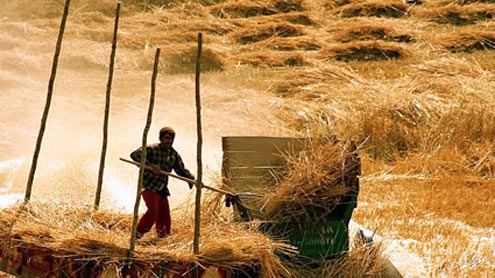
143,154
47,103
107,109
197,212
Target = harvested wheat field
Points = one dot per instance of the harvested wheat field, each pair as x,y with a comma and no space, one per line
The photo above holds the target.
410,84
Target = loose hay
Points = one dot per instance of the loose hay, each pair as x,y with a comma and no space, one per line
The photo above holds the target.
250,8
70,230
461,15
289,44
260,32
366,51
314,183
271,59
374,8
182,59
361,31
468,40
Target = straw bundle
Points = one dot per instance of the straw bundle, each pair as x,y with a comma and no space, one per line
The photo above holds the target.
371,31
69,230
331,4
365,51
468,40
250,8
374,8
306,80
313,185
260,32
182,59
303,43
461,15
449,66
300,18
270,59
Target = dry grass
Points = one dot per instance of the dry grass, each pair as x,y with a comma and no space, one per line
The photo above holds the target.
271,59
468,40
460,15
360,31
373,8
365,51
67,229
451,233
303,43
312,185
250,8
261,32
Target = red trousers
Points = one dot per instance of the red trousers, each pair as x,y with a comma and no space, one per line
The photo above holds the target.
158,214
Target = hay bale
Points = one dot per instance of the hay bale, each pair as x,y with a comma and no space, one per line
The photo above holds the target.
364,31
270,59
468,40
365,51
374,8
460,15
264,31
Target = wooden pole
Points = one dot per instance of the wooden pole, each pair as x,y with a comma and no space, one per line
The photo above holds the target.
107,109
47,103
197,211
143,154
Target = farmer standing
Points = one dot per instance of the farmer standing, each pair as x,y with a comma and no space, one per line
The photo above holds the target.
161,156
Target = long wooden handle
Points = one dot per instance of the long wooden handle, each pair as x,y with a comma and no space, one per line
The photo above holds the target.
181,178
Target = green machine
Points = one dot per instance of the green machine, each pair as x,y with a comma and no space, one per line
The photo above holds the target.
253,164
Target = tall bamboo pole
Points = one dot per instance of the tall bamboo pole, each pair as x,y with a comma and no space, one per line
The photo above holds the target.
47,103
107,109
143,154
197,211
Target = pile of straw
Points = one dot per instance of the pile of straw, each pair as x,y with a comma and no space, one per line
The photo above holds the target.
314,184
468,40
366,51
461,15
266,58
304,43
70,230
360,31
260,32
374,8
250,8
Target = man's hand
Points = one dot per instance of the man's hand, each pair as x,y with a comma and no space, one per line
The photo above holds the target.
155,169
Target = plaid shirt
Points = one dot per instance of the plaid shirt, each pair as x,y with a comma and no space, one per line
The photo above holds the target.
168,160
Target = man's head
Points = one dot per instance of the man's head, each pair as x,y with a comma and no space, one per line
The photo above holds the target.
167,136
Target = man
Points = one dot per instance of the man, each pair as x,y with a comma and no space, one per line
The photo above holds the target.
161,156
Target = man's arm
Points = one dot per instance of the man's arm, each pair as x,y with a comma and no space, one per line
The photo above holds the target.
136,156
181,170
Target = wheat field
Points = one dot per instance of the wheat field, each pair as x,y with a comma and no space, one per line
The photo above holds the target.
411,83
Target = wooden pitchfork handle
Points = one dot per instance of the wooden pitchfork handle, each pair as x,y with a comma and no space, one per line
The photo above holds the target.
192,181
